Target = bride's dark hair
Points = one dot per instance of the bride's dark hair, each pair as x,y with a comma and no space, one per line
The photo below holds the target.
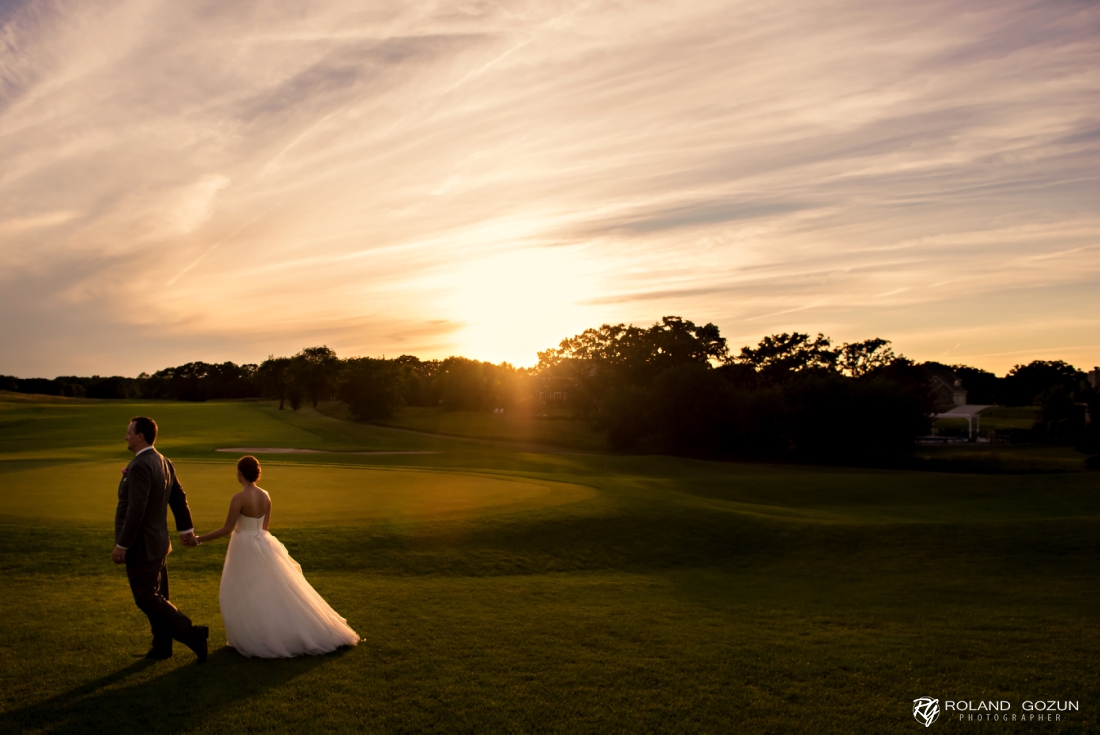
249,467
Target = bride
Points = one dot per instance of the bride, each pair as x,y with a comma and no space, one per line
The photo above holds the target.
269,609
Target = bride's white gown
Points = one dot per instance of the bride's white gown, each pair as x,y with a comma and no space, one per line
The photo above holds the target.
269,609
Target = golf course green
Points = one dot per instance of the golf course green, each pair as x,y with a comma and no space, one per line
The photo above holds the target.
502,586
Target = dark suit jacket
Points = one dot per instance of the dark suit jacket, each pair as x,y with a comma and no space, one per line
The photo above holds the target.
147,489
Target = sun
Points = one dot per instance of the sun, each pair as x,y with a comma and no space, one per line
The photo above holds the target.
517,303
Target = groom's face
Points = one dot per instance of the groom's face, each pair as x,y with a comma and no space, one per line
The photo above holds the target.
134,440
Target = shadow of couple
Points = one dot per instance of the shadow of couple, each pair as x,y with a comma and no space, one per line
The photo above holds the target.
178,700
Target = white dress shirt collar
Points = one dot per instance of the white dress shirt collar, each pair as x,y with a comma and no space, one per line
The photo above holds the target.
143,450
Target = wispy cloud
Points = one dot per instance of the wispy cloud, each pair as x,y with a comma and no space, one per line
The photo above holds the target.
227,180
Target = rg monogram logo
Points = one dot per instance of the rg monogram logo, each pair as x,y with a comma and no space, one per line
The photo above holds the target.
926,710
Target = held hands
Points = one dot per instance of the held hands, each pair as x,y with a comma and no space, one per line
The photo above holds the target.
118,554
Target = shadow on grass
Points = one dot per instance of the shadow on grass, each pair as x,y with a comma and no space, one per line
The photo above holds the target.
179,700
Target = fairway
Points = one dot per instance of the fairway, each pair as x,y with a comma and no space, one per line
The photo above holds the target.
508,587
301,494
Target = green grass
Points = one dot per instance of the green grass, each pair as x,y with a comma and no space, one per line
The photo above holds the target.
1018,413
1000,458
997,418
552,427
500,588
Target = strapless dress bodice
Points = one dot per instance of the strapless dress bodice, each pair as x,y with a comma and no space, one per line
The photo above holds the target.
248,524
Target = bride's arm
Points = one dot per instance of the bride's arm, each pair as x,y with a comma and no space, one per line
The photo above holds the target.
230,521
267,518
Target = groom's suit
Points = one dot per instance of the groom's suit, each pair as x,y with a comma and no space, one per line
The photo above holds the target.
147,489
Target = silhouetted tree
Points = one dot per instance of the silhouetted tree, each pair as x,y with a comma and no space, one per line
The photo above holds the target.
691,411
982,386
415,380
779,356
832,418
314,373
272,375
471,385
199,381
672,388
113,387
641,353
1024,383
600,361
860,358
371,388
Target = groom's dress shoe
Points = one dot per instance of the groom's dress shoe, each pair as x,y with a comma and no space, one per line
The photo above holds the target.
159,653
197,641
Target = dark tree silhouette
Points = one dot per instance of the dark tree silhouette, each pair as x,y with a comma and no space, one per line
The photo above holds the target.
471,385
860,358
371,388
779,356
1024,383
314,373
674,388
982,386
273,378
201,381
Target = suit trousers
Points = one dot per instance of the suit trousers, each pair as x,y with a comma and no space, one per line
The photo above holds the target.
149,583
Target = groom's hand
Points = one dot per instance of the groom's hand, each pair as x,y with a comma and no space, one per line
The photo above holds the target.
118,556
189,540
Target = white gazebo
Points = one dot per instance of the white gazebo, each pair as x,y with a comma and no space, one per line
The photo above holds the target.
967,411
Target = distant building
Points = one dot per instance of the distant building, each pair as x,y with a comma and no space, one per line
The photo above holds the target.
947,387
555,390
1094,377
559,381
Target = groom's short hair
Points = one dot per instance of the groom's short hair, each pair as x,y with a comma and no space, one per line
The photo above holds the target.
146,427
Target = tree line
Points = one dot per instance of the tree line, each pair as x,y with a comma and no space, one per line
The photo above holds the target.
675,387
672,387
373,388
195,381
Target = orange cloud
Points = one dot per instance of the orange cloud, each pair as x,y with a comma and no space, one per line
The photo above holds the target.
263,178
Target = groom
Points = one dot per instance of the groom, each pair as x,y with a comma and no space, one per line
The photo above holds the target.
147,489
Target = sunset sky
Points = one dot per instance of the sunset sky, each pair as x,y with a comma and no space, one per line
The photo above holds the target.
222,181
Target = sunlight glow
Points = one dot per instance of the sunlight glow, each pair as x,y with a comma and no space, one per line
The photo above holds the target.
486,180
527,295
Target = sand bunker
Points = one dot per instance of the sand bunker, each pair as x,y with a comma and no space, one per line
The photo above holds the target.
292,450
